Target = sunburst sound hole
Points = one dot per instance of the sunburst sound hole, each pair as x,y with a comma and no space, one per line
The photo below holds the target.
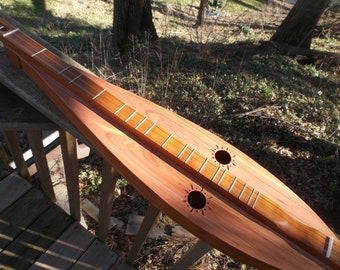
223,156
196,199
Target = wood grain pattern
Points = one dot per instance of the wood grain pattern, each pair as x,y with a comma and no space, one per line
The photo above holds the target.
22,213
29,226
33,241
201,181
13,187
221,223
66,250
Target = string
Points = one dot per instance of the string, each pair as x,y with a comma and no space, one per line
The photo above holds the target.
76,77
265,213
57,66
27,46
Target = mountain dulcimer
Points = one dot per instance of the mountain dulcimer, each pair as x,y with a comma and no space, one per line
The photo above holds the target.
202,182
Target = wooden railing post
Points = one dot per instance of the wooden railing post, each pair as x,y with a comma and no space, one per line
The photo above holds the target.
149,220
199,249
17,154
69,153
35,141
109,179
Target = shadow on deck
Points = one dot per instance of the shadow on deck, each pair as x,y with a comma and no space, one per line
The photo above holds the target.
34,232
37,234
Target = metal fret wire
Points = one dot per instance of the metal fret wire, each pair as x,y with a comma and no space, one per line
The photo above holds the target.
330,239
59,68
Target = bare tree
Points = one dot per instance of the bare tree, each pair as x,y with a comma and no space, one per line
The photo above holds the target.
202,12
297,28
132,19
208,7
39,5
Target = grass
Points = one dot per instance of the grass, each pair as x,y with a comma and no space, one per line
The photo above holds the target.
282,113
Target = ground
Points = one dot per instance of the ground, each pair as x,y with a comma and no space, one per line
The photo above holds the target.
279,111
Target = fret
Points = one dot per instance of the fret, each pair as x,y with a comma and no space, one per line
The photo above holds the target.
210,170
185,156
69,73
149,129
76,78
35,54
141,122
251,196
84,84
232,184
136,120
108,103
26,44
166,140
329,248
182,151
87,86
10,32
238,189
216,173
52,62
190,155
197,161
186,153
174,146
144,125
203,164
101,92
242,191
222,177
247,194
228,182
64,69
130,116
255,201
156,134
120,108
124,112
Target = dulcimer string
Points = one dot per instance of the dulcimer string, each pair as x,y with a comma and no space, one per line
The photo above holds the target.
145,128
212,171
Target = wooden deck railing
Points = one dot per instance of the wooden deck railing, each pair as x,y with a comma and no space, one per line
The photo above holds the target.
50,118
33,123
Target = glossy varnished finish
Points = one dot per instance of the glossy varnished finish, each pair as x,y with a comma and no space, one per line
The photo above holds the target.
205,184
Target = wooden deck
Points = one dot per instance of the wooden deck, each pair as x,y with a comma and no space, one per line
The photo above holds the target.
37,234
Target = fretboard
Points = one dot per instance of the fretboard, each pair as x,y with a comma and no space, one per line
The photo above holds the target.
209,169
213,171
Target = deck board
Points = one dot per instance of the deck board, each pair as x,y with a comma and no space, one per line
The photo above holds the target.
11,188
66,250
37,234
96,257
34,241
16,218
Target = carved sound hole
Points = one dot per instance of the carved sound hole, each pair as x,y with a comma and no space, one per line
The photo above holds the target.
223,157
3,28
196,199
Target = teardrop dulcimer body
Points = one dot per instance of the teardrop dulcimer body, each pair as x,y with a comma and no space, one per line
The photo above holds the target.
202,182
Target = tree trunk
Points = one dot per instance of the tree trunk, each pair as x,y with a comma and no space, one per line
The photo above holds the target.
132,19
297,28
39,5
201,12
